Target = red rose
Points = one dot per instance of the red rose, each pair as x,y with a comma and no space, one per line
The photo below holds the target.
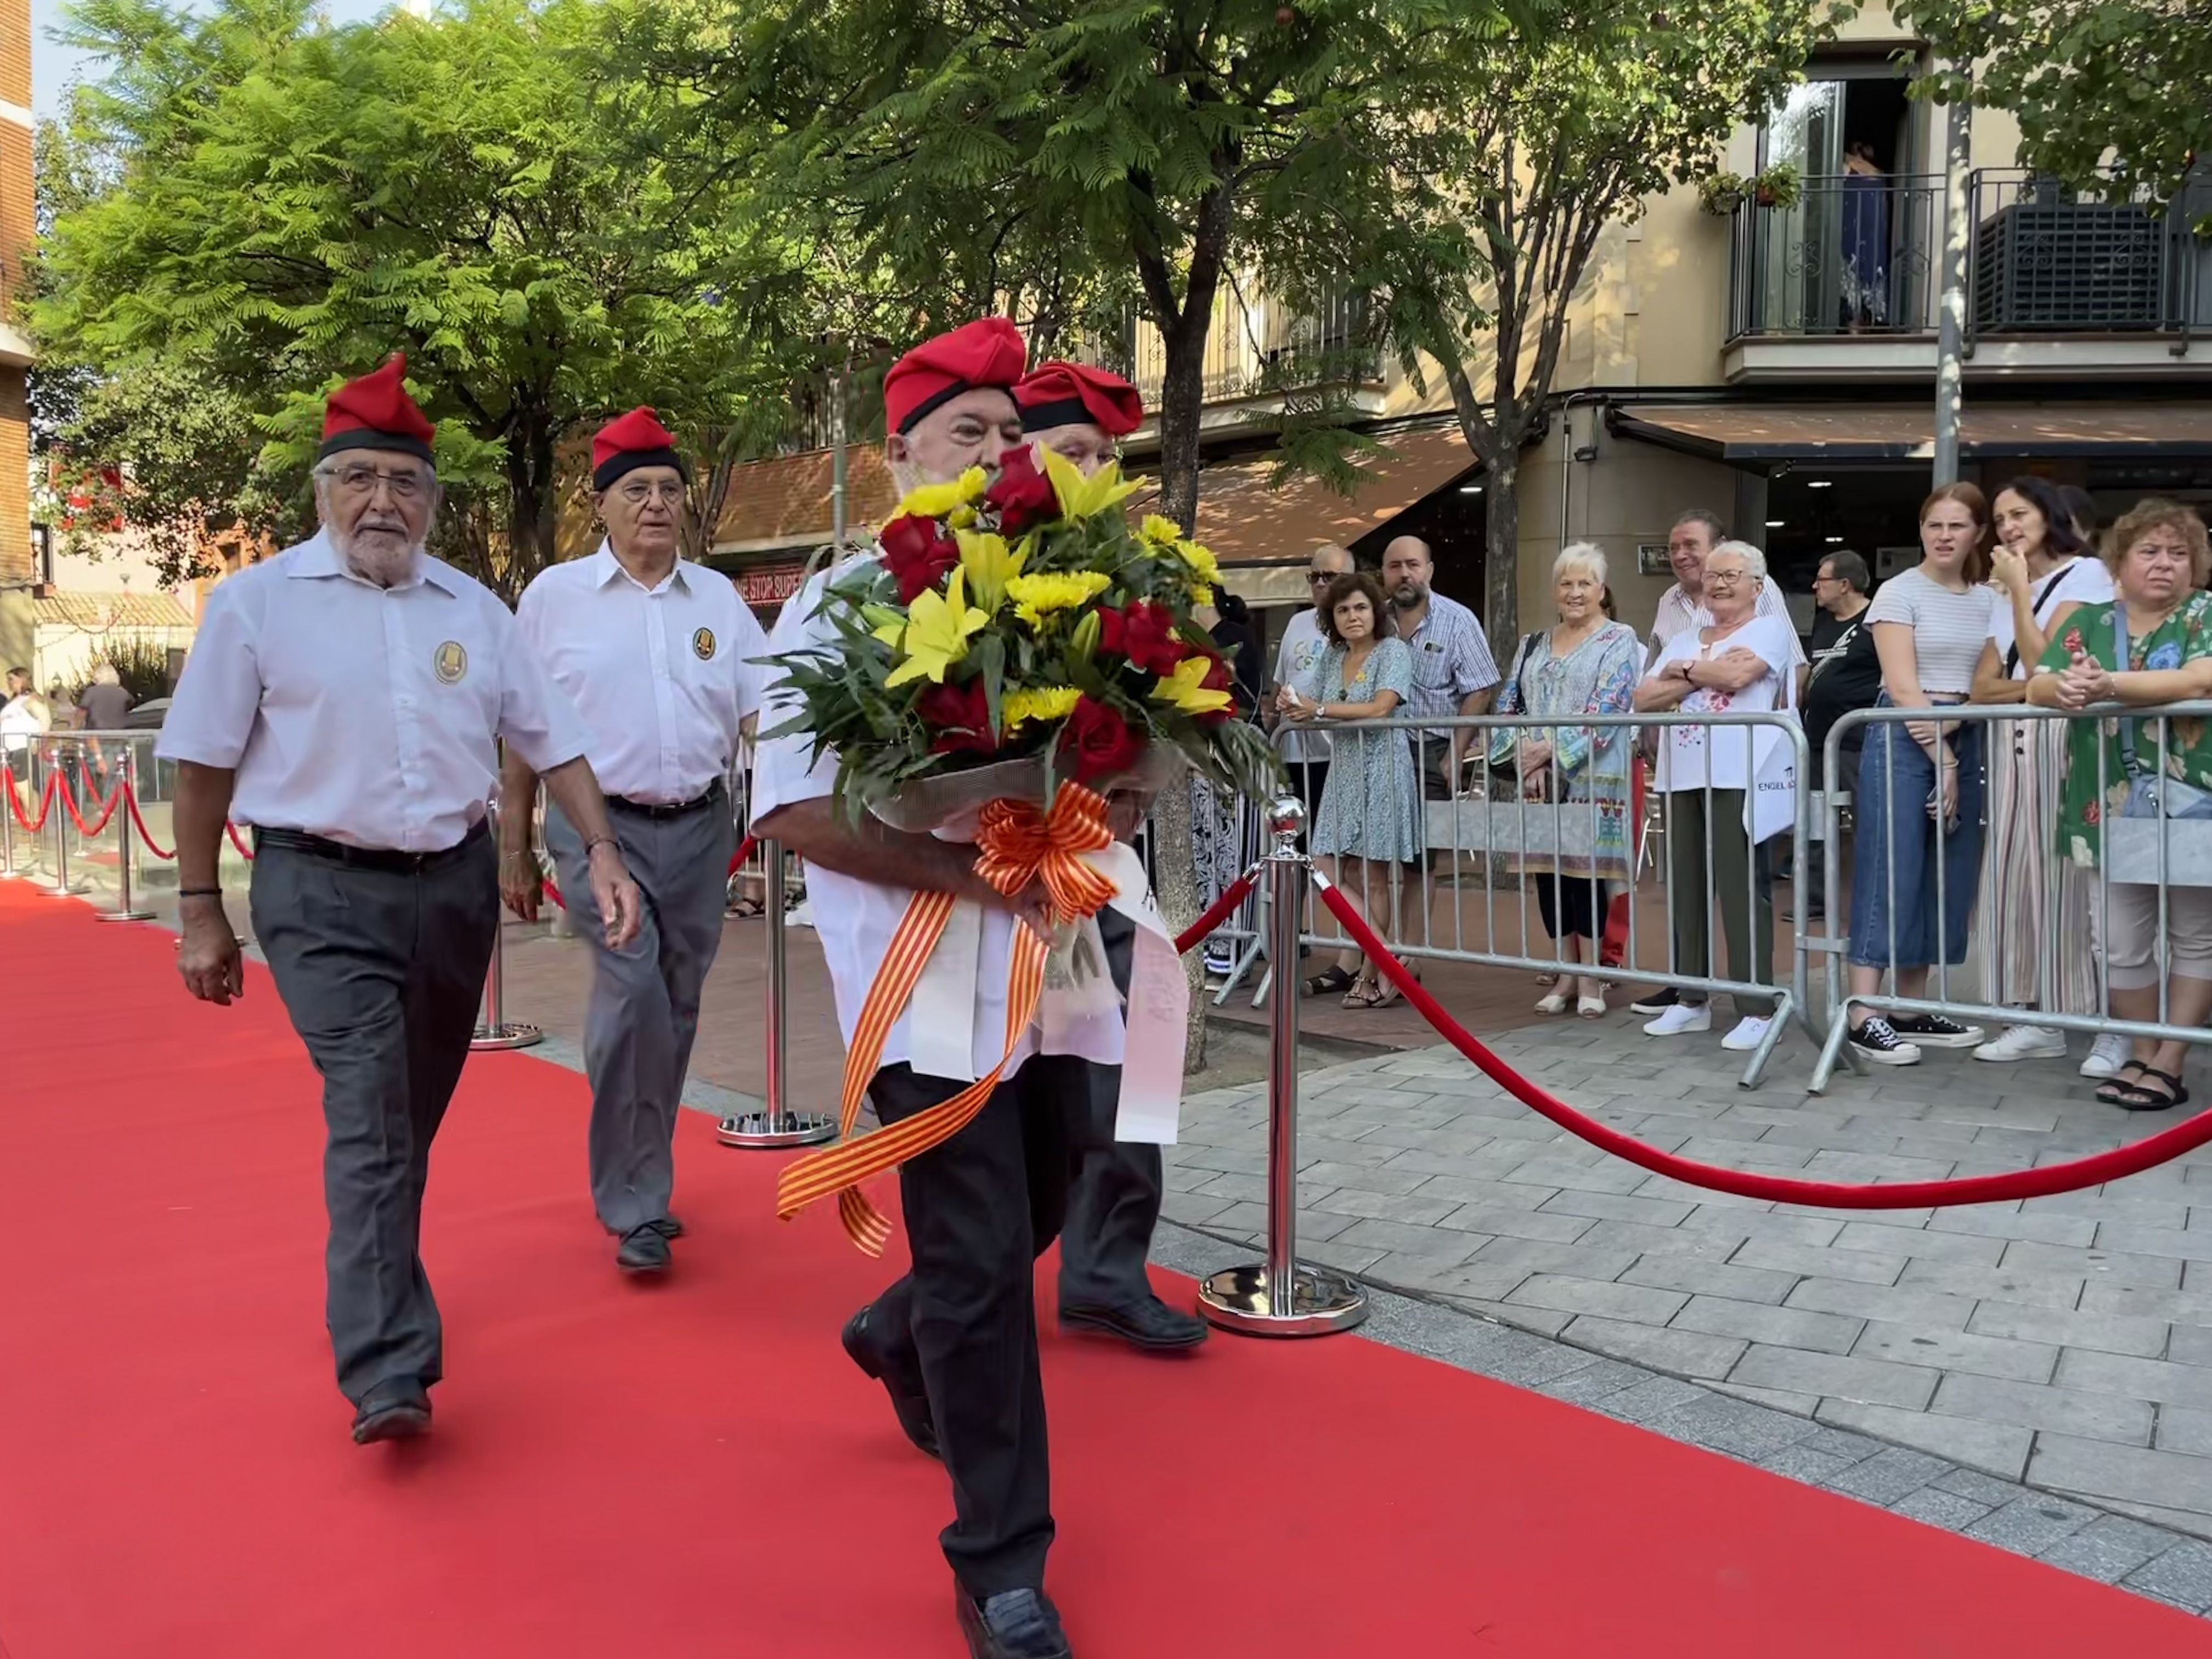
1144,631
1098,742
1021,495
918,554
960,718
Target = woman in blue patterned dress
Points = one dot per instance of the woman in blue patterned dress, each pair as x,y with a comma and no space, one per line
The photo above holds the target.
1369,817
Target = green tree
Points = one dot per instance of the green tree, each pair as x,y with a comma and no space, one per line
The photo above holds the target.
282,203
2090,81
1475,227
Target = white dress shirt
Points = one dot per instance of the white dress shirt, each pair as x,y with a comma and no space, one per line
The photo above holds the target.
661,674
364,714
856,919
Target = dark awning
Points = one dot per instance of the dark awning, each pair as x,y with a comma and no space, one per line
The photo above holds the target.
1746,432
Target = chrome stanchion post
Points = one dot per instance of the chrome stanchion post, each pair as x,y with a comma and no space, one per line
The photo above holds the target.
127,780
7,871
1278,1297
57,815
494,1030
774,1125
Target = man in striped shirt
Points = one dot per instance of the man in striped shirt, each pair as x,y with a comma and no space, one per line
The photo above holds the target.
1453,671
1689,543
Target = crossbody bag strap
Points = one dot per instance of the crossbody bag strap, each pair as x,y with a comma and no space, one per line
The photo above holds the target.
2034,609
2129,763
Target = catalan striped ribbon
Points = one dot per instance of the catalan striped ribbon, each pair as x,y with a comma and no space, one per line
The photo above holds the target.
1017,844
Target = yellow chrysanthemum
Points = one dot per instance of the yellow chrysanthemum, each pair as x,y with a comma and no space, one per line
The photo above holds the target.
936,630
1161,533
1044,702
936,501
1202,563
990,566
1183,689
1037,597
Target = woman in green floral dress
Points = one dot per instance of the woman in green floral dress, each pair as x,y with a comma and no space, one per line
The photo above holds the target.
2159,561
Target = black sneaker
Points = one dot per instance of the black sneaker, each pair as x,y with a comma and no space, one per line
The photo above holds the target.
1876,1043
1934,1032
1655,1002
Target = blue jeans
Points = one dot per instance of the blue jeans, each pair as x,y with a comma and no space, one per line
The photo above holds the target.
1895,841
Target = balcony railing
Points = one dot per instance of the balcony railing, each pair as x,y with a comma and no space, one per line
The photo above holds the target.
1860,255
1258,350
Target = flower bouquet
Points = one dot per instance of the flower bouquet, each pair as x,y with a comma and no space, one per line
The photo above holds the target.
1018,627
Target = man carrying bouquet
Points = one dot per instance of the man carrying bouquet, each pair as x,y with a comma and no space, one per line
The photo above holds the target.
1114,1203
954,1342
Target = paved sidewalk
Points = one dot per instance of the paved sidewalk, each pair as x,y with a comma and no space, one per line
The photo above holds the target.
2066,1341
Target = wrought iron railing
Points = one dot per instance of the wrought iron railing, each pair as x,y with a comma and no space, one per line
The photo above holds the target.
1258,348
1855,254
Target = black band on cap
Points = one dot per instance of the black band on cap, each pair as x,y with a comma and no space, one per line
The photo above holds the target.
935,401
604,474
1061,411
361,437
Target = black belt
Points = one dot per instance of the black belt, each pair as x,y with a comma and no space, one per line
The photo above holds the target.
654,809
386,859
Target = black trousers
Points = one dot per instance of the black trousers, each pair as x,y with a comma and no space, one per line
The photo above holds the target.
1113,1202
962,1323
380,973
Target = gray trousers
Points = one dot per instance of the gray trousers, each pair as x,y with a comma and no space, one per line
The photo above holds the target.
1114,1200
380,973
644,1007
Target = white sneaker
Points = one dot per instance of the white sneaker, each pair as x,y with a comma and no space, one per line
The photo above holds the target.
1683,1017
1750,1031
2025,1043
2106,1059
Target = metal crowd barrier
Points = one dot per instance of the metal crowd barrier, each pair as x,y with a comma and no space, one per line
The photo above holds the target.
2171,854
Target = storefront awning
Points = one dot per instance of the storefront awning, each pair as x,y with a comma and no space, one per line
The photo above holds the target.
1752,433
784,501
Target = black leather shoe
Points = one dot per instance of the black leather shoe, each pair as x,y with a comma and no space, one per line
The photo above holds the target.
668,1227
1150,1324
392,1410
911,1406
1019,1624
643,1251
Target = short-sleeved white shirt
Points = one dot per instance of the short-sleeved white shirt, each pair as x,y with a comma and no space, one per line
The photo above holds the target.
661,676
2084,580
1678,609
1686,751
1948,629
365,715
1298,664
856,919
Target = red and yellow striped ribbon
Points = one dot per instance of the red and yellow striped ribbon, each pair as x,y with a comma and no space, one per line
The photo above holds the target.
1017,844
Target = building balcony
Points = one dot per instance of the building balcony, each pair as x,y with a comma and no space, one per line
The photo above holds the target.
1843,284
1258,352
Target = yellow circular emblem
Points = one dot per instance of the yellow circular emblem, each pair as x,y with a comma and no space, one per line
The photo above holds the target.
703,644
451,662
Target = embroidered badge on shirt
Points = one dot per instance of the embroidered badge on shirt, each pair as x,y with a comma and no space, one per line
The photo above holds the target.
450,663
703,644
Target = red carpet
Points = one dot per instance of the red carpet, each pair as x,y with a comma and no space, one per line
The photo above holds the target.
696,1470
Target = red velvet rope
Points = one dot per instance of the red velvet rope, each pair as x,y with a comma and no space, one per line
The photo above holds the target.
15,801
69,801
138,819
238,841
2072,1177
1234,894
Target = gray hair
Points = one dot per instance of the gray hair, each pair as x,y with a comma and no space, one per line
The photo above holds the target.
1585,556
103,673
1850,569
1754,560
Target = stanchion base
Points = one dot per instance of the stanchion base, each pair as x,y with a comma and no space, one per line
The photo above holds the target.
505,1036
1236,1298
760,1132
125,915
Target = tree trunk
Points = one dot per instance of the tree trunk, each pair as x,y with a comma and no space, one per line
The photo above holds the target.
1501,564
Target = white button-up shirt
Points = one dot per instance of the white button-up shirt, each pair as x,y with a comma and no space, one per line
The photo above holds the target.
365,715
857,919
661,674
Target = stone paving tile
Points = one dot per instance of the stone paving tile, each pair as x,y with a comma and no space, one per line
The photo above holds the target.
1956,1350
1788,1327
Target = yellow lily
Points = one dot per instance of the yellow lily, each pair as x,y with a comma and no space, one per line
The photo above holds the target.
936,501
936,630
990,565
1183,689
1044,702
1080,497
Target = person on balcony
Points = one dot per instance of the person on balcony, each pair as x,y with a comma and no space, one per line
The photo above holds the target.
2040,926
1919,801
2118,769
1584,664
1736,661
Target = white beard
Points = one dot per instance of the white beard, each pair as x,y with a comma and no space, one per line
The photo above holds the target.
386,568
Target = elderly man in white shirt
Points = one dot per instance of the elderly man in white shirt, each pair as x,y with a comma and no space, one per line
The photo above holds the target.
953,1342
347,699
659,655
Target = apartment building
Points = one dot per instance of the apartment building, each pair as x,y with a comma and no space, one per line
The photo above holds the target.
18,566
1774,364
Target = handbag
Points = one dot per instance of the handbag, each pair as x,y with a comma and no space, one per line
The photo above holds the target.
1505,775
2151,794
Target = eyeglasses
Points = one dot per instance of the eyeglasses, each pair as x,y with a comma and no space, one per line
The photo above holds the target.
643,490
1725,578
363,480
1321,575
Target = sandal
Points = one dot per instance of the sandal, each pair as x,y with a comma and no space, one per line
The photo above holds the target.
1545,981
1591,1008
1364,994
2138,1098
2114,1089
1554,1004
1329,982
